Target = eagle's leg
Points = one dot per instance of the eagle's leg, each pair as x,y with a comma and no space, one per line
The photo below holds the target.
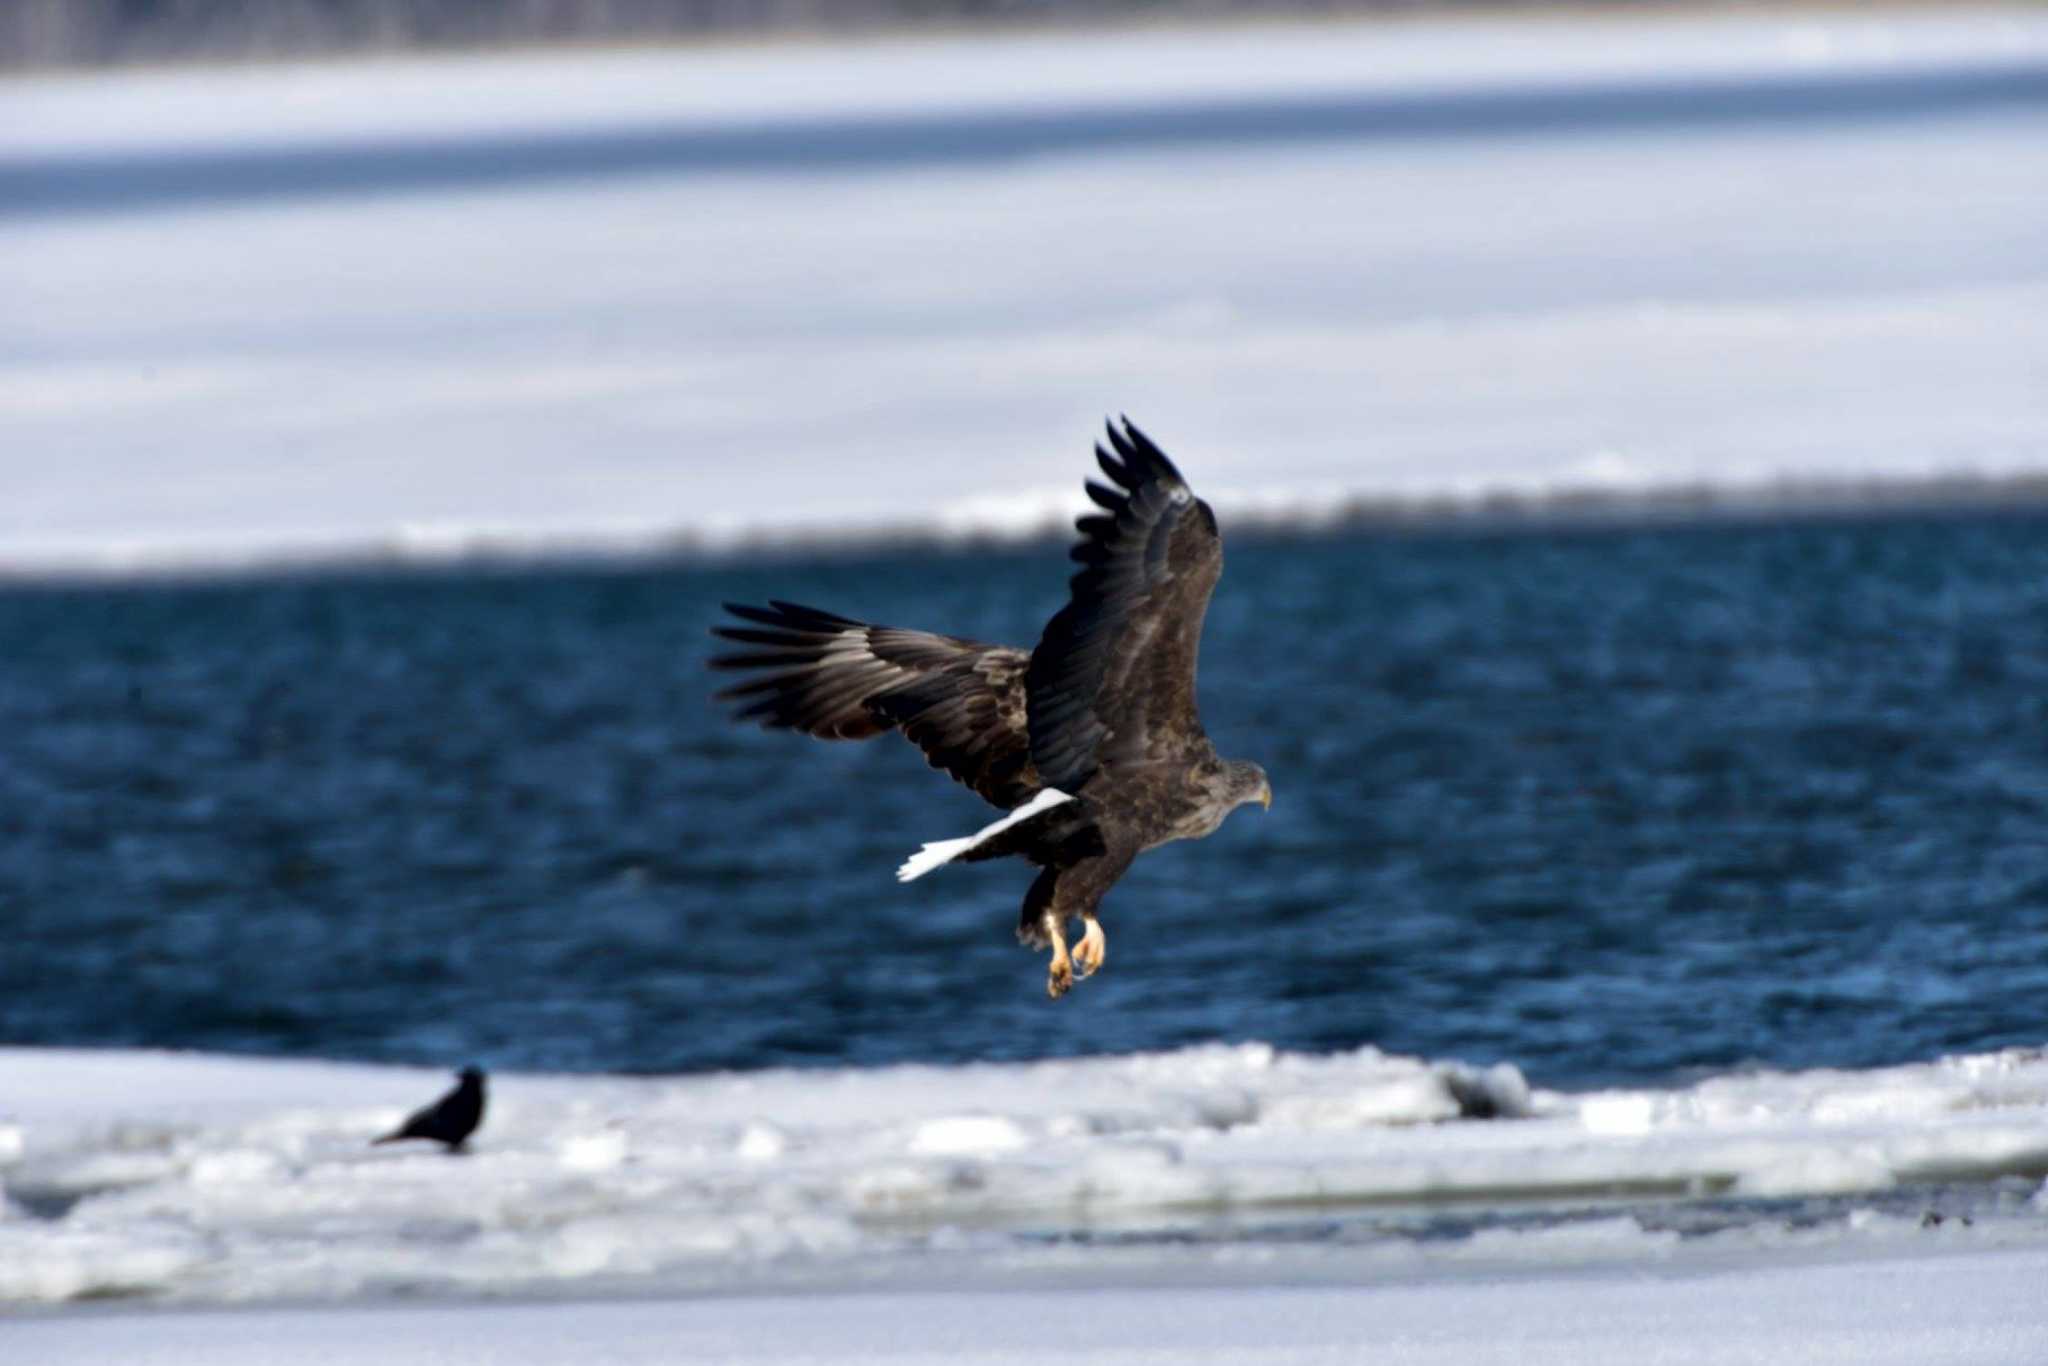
1093,948
1059,977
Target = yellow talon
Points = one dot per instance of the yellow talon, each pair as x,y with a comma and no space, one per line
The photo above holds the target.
1091,951
1059,977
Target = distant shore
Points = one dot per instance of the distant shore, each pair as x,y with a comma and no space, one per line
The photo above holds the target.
46,35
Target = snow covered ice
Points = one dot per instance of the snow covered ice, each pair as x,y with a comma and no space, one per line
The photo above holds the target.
1851,283
197,1178
1218,1204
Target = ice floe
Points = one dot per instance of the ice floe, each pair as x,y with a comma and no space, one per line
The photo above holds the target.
206,1178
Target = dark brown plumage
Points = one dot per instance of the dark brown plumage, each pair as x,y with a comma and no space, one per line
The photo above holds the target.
1092,740
451,1119
960,701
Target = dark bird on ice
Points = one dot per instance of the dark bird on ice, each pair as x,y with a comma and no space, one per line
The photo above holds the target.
449,1120
1091,742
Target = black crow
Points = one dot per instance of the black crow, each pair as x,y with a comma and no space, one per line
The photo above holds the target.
451,1119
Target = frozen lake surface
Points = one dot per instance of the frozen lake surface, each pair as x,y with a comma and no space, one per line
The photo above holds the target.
1921,1310
602,299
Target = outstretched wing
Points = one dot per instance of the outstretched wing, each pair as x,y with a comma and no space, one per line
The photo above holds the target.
1113,679
960,701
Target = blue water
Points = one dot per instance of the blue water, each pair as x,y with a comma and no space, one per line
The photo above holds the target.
1614,806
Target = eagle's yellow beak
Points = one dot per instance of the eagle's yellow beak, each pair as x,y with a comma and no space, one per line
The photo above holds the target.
1266,797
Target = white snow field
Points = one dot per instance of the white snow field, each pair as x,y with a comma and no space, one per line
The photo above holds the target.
604,299
1215,1204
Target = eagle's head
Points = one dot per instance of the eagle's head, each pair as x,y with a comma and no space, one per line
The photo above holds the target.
1245,781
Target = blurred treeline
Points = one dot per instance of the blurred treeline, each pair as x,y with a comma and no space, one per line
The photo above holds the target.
43,33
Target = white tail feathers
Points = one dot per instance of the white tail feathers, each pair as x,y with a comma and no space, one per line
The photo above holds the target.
930,856
939,852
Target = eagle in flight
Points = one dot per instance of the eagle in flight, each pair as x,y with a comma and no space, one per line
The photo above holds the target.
1091,742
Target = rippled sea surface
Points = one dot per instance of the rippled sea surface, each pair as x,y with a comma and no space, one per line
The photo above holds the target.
1614,806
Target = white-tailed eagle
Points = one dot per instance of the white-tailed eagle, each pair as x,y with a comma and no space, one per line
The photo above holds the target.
1091,742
